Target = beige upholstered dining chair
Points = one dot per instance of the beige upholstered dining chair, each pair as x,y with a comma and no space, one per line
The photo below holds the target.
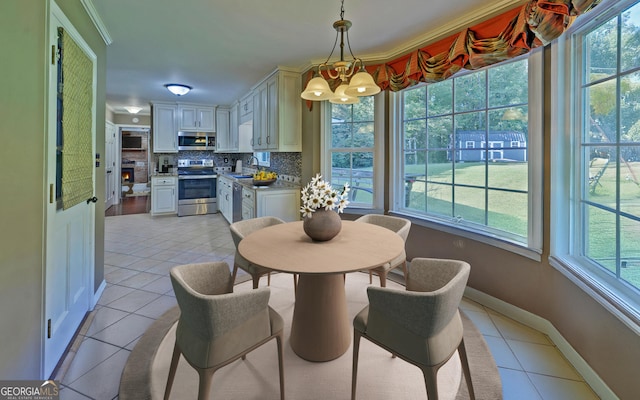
421,325
399,225
241,229
217,326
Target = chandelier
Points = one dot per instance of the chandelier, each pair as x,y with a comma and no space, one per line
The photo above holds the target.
352,85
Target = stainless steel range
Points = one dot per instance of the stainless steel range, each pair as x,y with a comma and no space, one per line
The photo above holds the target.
197,187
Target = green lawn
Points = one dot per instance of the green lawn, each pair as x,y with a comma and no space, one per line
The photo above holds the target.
508,211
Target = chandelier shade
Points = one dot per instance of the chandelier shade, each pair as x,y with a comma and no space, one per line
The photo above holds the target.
340,96
362,83
317,90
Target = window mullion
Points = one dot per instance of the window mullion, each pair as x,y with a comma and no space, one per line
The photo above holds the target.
617,145
488,146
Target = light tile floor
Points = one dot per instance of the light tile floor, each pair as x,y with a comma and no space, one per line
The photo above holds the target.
140,250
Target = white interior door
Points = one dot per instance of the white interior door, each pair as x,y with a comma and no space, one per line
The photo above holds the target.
70,236
110,157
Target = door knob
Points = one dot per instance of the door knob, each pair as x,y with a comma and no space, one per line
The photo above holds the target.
93,199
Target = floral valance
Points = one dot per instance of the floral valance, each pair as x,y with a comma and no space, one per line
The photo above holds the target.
500,38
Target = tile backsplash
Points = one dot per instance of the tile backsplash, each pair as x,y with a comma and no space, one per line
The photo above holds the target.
287,165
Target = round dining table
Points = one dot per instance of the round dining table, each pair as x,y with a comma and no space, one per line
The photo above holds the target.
320,328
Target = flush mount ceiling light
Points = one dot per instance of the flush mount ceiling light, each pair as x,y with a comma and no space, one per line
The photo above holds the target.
133,110
361,83
178,89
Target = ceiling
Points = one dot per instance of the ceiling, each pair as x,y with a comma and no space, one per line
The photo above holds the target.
223,47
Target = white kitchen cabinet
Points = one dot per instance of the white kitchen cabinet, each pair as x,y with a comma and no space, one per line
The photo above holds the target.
225,197
164,199
248,203
277,113
233,126
198,118
281,203
164,128
260,117
245,113
223,131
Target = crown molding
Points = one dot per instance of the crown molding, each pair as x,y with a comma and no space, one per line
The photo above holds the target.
97,21
450,28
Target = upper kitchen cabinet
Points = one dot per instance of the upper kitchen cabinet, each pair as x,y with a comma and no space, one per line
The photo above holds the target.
277,113
224,140
164,128
233,126
198,118
245,108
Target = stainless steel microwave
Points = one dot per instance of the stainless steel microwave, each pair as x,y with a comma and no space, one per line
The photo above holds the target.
196,141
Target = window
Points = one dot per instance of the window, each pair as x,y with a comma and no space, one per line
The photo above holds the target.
475,137
603,200
352,148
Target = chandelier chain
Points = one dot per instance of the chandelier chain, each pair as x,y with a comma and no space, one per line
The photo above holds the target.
333,49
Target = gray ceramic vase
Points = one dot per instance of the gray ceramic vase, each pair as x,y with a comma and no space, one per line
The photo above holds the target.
323,225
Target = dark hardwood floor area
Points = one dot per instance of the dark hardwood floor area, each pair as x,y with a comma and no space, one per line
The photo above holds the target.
130,205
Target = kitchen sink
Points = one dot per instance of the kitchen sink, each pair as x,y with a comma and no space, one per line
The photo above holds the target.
242,176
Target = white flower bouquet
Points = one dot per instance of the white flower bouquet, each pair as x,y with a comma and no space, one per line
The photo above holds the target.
319,194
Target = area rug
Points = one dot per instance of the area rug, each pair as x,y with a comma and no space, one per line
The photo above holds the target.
379,375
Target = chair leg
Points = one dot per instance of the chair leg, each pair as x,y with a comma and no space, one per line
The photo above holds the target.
268,278
462,352
280,364
256,280
370,277
404,271
234,273
431,381
175,358
204,384
354,371
295,284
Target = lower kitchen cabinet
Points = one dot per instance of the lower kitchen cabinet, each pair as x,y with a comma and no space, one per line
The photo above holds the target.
164,199
248,203
225,197
281,203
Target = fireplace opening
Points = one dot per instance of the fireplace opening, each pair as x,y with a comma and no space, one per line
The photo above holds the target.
127,175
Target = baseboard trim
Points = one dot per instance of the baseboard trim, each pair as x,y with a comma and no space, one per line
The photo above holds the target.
97,294
546,327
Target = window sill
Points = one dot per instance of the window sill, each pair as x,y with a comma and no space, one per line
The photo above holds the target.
501,243
362,211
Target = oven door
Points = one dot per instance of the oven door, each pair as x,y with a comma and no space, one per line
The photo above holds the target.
197,195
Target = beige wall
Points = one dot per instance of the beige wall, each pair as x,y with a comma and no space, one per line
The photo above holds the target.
127,119
310,139
610,348
24,41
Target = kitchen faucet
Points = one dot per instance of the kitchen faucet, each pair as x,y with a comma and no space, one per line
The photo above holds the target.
257,162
